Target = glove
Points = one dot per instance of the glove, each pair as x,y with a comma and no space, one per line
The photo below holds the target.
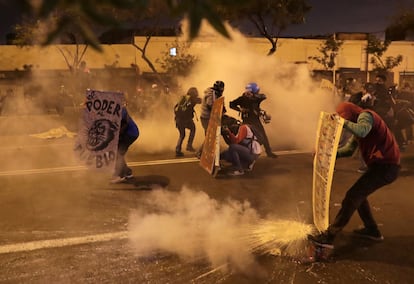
366,97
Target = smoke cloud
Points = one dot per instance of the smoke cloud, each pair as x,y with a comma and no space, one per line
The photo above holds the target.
195,226
294,100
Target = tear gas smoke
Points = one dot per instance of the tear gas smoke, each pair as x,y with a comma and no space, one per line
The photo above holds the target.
193,226
294,100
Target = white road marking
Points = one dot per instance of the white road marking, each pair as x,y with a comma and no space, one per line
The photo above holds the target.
55,243
43,244
132,164
82,168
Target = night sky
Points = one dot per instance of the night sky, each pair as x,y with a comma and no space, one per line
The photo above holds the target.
326,17
329,16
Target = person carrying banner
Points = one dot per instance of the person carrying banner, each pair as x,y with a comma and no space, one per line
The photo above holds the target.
380,151
210,95
128,133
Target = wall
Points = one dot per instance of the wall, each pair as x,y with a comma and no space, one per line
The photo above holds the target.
352,54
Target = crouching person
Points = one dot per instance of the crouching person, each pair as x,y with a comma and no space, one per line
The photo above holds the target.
243,150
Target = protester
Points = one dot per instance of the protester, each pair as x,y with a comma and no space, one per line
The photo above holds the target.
128,133
243,150
382,156
184,114
210,95
383,103
248,105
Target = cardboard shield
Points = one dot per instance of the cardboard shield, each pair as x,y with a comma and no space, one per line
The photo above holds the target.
210,157
327,140
98,135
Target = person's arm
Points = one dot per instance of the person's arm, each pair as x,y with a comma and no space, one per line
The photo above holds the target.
363,125
209,102
234,104
348,149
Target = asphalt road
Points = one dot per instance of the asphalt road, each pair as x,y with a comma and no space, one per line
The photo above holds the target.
61,223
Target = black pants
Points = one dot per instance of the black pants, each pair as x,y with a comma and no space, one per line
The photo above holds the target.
182,126
355,199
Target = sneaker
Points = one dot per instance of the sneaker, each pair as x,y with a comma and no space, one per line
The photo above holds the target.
117,179
367,233
179,154
129,176
190,149
271,155
236,173
362,169
323,239
250,167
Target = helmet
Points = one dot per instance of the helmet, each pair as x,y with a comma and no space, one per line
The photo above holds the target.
218,86
253,87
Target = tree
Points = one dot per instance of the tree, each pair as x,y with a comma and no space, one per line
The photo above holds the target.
377,48
86,13
269,17
35,31
180,62
402,24
329,50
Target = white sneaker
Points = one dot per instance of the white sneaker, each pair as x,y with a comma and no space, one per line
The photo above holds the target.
250,167
236,173
118,180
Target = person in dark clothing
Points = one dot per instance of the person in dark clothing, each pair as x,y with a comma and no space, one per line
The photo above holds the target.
365,98
248,105
128,133
382,156
383,103
184,114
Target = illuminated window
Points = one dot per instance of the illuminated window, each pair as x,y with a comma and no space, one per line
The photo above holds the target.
173,51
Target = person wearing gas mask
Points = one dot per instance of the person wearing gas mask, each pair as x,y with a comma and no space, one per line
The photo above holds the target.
248,105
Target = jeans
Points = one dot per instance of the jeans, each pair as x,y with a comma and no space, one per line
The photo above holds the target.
239,156
355,199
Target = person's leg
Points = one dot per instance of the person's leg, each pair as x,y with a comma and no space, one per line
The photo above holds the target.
204,123
246,156
259,126
181,136
191,127
356,198
121,167
236,151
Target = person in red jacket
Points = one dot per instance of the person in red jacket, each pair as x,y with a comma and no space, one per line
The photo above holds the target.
243,150
381,154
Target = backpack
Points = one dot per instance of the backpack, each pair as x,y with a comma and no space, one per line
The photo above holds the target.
183,109
257,133
254,144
